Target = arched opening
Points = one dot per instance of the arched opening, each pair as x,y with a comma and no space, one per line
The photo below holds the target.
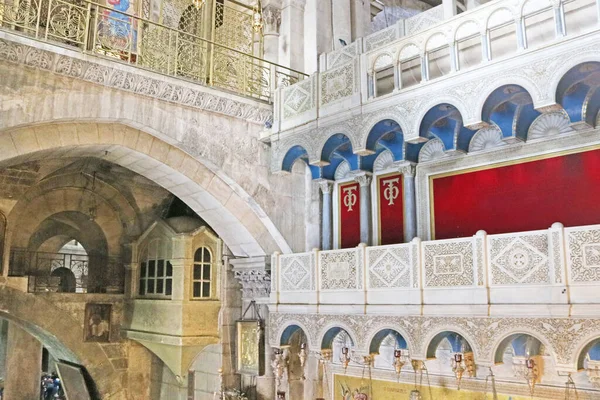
409,67
521,356
510,108
383,76
294,343
502,34
385,135
339,343
439,61
445,122
579,94
468,45
538,22
449,352
390,347
336,150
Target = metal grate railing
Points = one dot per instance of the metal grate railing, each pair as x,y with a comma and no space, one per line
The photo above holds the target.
93,28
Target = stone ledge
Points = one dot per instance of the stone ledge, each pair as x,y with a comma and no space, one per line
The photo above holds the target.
71,63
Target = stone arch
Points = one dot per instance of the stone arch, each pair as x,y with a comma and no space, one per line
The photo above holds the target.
521,330
372,335
507,339
453,101
373,119
500,16
335,328
436,40
61,333
522,81
582,347
289,332
327,134
465,29
429,340
383,60
561,71
409,50
293,325
222,203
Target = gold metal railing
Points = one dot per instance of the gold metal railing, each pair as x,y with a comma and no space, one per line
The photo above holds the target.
93,28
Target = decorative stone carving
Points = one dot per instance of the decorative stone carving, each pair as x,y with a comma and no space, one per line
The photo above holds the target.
432,150
424,20
187,94
523,259
339,83
448,263
486,138
342,55
363,179
297,272
342,171
326,186
550,124
381,38
389,267
272,19
383,161
299,98
340,269
583,252
408,169
254,276
593,372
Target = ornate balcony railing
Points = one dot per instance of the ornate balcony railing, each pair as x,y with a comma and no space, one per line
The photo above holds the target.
555,266
64,272
99,30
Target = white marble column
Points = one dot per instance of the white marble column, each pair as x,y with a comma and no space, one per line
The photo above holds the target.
318,33
327,212
342,22
361,18
291,40
364,180
272,22
410,203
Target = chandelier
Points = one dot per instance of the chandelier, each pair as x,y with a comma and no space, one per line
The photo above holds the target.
198,3
257,18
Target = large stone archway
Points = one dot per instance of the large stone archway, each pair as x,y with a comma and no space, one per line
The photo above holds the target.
62,335
232,213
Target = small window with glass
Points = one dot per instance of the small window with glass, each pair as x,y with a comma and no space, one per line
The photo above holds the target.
202,274
156,271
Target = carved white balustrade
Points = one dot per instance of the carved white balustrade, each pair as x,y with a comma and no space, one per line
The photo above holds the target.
553,266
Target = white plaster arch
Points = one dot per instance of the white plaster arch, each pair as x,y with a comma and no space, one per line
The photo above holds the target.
310,340
222,203
280,148
451,328
338,324
383,161
342,171
466,29
383,60
378,328
590,56
521,330
514,80
435,41
500,16
408,51
531,6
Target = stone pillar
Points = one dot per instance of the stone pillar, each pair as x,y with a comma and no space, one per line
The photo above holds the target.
272,22
342,22
486,55
521,37
24,356
410,202
327,220
361,18
559,20
449,8
311,372
364,180
317,13
291,41
255,279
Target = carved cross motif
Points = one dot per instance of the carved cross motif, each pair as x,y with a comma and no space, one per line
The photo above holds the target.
350,197
391,191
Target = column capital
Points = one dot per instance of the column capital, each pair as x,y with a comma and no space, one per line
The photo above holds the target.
272,17
254,275
294,3
363,178
325,185
407,169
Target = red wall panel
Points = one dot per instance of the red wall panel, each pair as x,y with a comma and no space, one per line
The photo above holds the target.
527,196
391,208
349,206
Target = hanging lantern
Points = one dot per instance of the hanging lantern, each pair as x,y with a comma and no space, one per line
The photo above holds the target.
415,395
198,3
257,18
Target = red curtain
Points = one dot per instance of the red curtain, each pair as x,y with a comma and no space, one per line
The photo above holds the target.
349,206
391,208
527,196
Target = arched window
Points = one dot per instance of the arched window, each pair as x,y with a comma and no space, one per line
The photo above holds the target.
201,279
156,271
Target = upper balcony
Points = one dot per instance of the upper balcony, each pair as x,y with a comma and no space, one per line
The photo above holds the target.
182,49
400,70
